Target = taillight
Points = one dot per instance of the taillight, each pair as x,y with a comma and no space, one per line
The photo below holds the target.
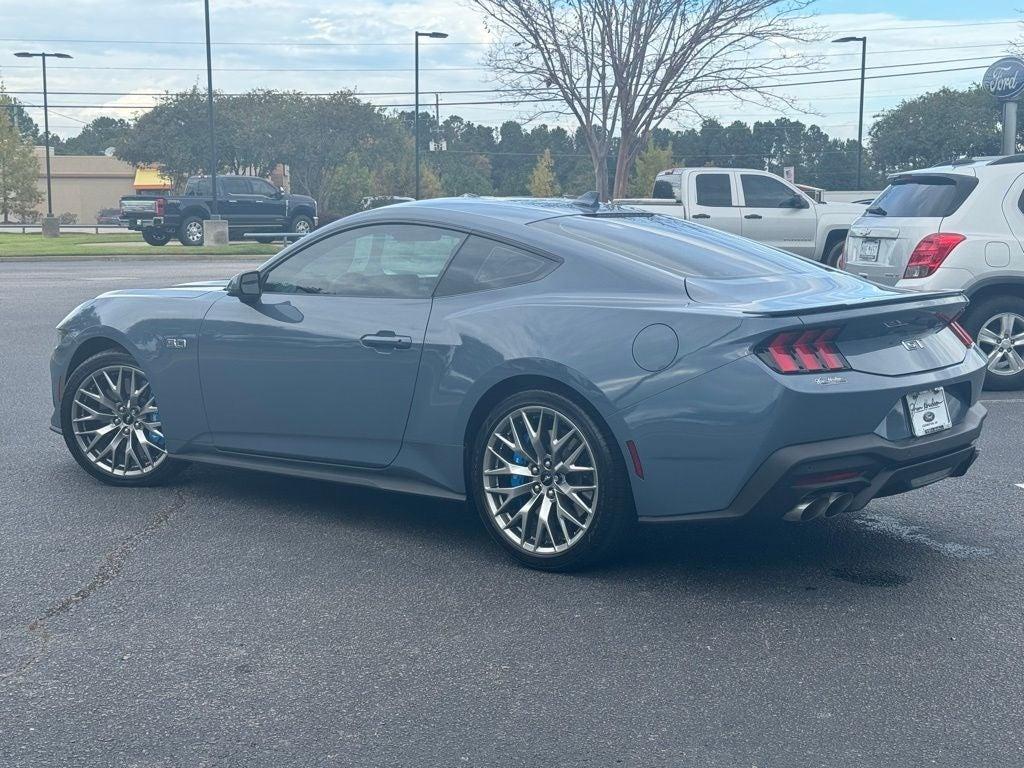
930,253
809,351
961,333
161,204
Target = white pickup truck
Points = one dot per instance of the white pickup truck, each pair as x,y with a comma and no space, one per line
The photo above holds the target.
754,204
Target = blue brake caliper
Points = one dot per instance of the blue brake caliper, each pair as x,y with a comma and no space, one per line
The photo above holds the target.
517,480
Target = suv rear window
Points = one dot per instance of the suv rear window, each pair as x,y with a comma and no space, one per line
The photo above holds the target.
677,246
924,196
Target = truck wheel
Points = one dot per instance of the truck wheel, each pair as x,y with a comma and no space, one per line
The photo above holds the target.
156,236
301,225
191,231
835,253
997,324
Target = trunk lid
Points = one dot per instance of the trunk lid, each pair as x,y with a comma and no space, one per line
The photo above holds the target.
884,331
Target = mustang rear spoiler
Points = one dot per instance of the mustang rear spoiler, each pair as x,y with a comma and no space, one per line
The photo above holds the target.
911,298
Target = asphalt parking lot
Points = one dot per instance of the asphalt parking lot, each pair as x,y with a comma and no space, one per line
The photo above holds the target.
234,619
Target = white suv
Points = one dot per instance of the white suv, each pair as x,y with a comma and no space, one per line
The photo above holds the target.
957,226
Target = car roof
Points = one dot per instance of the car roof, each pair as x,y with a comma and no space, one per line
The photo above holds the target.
996,163
517,210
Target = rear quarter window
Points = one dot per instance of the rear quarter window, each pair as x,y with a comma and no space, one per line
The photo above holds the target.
924,196
482,265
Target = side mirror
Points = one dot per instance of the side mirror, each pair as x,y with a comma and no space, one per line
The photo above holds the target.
246,286
796,201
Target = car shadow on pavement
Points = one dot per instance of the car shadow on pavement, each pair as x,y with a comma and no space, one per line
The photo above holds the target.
843,548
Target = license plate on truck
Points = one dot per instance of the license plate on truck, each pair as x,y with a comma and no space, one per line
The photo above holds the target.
868,250
928,411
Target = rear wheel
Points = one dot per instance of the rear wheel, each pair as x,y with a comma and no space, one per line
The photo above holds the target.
191,231
156,236
549,486
111,422
997,324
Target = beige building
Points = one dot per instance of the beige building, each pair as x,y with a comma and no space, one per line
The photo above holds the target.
84,184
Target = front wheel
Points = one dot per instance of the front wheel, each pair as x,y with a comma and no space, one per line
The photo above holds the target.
156,236
997,324
301,225
549,486
191,231
111,422
834,257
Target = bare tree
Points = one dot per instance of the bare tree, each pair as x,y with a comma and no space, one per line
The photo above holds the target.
626,66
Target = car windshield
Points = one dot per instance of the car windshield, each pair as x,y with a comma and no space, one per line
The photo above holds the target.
677,246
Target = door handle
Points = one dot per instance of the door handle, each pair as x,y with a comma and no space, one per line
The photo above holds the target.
701,216
384,340
753,216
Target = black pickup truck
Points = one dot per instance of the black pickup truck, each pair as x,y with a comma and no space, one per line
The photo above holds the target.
248,203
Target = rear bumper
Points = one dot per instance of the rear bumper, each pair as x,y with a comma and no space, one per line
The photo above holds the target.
868,466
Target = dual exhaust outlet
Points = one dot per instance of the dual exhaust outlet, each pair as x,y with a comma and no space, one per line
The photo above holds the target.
827,505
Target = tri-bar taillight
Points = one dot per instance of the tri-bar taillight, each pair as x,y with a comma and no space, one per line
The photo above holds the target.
961,333
812,350
160,206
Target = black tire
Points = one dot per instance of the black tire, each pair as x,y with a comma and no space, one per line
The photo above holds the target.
168,467
187,232
835,252
981,314
613,518
156,236
301,223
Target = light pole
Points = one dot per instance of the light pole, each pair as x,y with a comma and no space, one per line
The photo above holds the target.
50,228
416,114
860,120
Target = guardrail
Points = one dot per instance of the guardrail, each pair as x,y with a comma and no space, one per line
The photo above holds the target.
79,228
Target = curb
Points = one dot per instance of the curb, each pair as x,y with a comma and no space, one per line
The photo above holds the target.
128,257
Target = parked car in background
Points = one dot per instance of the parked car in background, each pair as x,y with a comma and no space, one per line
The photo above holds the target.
957,226
755,204
109,217
566,366
249,203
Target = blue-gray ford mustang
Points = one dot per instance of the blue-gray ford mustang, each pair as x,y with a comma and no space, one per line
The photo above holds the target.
569,367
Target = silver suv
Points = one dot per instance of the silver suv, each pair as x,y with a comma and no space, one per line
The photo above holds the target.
957,226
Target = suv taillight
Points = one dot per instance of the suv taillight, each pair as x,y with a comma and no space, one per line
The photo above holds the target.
930,253
161,205
809,351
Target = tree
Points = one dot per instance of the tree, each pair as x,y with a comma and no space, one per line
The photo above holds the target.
936,128
542,180
625,66
19,169
16,112
652,160
96,137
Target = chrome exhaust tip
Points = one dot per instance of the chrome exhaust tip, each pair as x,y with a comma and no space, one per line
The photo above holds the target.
838,503
809,509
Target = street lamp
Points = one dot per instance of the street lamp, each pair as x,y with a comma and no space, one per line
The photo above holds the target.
860,121
52,230
416,114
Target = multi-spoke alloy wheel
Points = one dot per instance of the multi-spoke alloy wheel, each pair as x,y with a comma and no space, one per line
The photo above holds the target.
1001,338
540,480
116,422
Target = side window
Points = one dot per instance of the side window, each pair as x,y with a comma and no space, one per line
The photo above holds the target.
234,185
199,188
384,261
714,190
764,191
482,264
261,187
667,188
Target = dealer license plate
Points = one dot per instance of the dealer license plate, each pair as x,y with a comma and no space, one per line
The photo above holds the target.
869,250
928,411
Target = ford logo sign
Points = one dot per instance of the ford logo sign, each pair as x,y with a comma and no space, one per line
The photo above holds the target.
1005,78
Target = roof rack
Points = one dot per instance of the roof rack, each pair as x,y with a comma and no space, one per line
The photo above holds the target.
1009,159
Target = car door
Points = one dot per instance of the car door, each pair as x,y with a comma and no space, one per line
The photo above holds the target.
770,216
323,365
235,201
713,200
270,205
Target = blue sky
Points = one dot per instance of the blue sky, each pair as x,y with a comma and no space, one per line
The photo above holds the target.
132,51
